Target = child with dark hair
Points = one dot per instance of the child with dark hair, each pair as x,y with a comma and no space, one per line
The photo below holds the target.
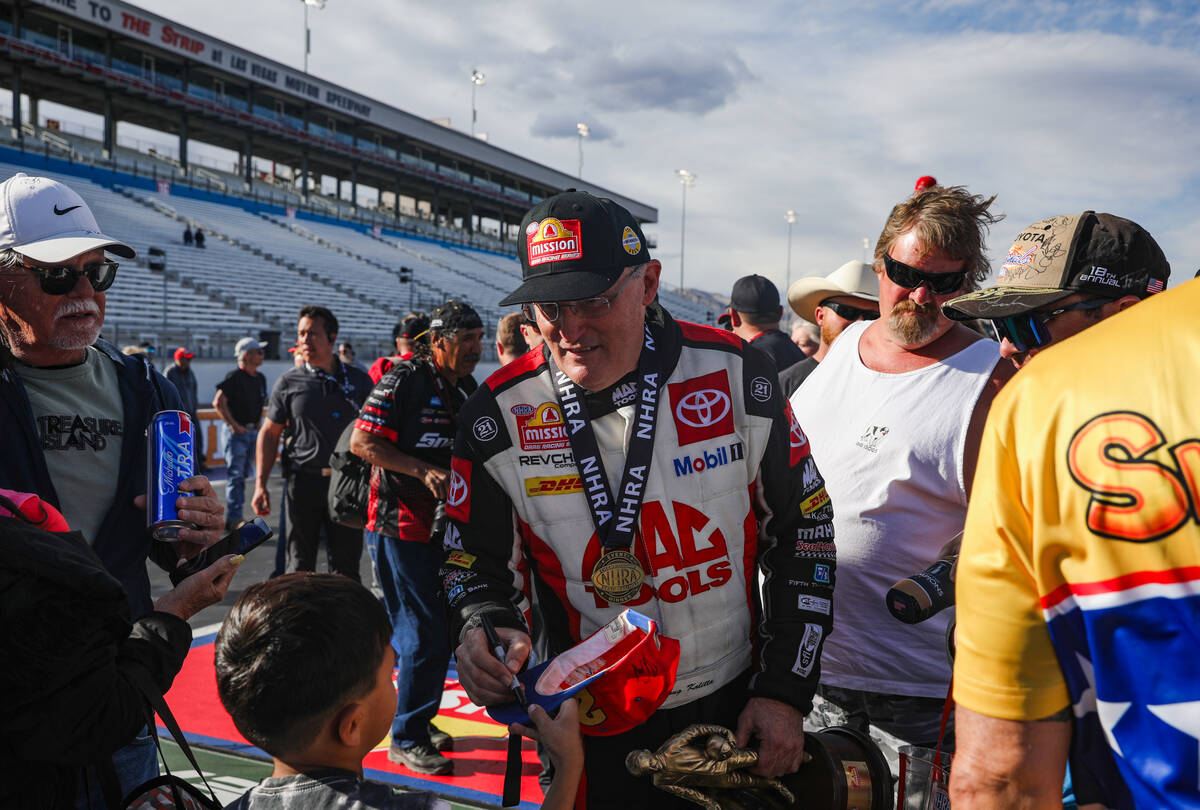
304,667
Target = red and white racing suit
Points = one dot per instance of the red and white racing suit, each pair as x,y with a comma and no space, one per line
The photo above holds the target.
732,494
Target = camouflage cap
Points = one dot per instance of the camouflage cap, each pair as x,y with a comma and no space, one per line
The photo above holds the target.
1100,254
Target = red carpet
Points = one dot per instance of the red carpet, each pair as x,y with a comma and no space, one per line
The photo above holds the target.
479,743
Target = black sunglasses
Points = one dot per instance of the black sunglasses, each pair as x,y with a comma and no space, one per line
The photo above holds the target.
910,277
850,313
61,280
1029,331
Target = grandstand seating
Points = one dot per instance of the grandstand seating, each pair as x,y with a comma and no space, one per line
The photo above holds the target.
258,269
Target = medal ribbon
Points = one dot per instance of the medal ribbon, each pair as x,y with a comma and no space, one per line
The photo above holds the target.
615,521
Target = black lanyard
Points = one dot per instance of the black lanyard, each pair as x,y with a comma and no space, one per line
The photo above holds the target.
342,384
615,529
448,395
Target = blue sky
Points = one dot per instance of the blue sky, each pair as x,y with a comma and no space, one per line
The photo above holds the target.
832,109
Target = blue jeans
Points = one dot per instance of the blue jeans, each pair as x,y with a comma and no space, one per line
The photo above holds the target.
135,763
239,464
412,594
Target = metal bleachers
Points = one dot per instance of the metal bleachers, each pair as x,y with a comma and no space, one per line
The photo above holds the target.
258,269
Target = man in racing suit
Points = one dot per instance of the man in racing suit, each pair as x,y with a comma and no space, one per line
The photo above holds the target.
691,423
405,430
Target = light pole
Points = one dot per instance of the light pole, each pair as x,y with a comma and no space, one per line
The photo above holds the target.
317,4
686,179
791,220
583,133
477,79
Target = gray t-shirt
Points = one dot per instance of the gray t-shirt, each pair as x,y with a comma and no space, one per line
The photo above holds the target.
332,789
80,420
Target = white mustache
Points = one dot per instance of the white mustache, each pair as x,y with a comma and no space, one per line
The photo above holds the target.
77,306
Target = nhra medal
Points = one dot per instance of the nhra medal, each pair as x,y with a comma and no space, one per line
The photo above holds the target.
618,576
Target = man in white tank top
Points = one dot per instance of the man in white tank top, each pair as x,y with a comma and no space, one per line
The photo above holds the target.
894,414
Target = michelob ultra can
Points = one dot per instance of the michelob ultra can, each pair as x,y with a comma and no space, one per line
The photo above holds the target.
170,458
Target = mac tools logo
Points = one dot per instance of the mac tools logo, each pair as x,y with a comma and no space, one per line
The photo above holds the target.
702,407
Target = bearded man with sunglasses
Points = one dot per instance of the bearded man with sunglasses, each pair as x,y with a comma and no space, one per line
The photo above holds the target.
895,411
73,409
644,463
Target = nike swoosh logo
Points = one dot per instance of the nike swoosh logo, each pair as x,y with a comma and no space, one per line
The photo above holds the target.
64,210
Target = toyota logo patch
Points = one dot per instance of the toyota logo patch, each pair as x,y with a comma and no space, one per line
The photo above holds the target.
458,489
703,408
485,428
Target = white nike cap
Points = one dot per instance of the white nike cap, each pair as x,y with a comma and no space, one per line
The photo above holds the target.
45,221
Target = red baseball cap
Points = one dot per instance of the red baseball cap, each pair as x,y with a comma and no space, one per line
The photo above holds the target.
182,352
627,668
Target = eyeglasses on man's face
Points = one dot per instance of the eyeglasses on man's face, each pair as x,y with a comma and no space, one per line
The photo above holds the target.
60,279
596,307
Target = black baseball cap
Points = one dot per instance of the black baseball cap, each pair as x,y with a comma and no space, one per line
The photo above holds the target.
455,315
1099,254
754,294
575,246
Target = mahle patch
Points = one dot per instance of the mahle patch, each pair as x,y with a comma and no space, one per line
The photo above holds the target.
630,241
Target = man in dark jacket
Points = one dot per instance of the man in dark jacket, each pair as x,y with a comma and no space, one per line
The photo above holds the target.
754,312
75,668
73,409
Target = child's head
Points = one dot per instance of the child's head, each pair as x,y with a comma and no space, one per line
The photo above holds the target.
302,650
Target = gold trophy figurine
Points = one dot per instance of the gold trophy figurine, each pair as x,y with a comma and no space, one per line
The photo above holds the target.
703,765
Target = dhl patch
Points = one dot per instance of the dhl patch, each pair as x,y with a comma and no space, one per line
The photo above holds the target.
461,558
815,501
553,485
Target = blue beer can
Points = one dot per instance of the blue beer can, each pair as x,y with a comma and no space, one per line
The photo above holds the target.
170,458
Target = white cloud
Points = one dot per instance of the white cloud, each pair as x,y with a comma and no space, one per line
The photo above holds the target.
827,108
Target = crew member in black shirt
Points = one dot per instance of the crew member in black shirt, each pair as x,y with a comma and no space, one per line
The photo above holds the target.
315,402
754,311
239,401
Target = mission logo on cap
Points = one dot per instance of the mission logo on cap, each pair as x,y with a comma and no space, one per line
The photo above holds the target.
553,240
576,246
627,668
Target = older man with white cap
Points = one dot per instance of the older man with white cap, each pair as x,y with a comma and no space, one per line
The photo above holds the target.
832,302
73,409
239,400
